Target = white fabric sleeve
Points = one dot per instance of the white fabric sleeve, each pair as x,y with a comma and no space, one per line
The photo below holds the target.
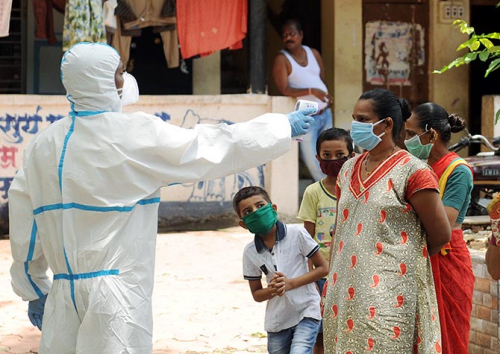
29,269
250,270
308,246
211,151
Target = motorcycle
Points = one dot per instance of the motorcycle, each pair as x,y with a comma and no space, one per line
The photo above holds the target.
486,171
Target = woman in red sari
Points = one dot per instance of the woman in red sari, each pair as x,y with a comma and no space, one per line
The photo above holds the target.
428,132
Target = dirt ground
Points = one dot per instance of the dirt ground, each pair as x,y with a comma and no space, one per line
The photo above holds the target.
201,304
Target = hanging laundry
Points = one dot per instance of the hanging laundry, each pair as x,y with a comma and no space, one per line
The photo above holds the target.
210,25
150,13
5,9
83,22
108,8
133,15
44,18
121,43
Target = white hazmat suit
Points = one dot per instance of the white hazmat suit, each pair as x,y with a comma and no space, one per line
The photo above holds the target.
85,203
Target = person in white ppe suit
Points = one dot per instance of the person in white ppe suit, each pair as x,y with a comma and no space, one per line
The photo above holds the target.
85,203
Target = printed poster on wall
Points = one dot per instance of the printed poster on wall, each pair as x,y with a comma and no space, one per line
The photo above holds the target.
392,51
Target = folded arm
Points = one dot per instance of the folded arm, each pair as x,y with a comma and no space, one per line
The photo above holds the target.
432,214
259,293
283,284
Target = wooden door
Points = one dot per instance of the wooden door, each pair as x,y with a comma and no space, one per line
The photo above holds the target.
395,51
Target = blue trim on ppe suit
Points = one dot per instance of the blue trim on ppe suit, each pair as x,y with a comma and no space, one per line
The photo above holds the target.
31,250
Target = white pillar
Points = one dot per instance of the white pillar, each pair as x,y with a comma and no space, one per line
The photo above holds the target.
207,75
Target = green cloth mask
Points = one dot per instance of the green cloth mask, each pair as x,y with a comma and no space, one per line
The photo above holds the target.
262,220
415,147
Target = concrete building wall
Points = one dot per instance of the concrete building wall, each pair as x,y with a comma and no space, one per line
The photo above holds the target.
348,63
195,204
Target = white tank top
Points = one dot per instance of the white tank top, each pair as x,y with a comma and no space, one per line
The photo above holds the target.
306,76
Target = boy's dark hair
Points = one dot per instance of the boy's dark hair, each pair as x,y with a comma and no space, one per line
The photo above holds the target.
247,192
334,134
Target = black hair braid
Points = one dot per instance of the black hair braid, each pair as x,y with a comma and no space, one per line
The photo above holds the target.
456,122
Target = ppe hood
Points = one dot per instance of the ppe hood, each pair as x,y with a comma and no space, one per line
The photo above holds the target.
88,75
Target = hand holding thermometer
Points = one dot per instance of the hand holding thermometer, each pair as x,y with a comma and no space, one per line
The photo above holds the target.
308,106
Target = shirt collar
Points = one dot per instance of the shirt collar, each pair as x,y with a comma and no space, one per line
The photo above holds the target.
280,235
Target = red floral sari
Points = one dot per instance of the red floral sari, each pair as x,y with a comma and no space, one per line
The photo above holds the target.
454,280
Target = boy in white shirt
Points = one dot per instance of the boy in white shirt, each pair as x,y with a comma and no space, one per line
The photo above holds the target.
281,252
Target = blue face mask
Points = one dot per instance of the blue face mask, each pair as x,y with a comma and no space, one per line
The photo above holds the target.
362,134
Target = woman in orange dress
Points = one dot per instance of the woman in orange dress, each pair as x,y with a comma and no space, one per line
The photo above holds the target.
380,295
428,132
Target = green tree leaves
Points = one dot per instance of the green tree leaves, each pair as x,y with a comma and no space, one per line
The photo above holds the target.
480,46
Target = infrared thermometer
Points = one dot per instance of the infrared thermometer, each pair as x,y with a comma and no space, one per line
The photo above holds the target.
305,105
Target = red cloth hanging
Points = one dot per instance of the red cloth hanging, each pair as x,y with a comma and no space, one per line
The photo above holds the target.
210,25
44,18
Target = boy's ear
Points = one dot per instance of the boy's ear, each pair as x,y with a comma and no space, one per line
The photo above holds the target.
317,158
351,155
242,224
275,207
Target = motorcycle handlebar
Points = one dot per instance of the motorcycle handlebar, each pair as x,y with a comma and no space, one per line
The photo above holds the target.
465,141
484,141
475,139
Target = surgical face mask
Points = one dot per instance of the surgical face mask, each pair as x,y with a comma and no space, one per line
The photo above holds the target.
362,134
129,94
332,167
416,148
262,220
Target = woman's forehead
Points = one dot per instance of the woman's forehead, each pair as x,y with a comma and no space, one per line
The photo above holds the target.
412,123
364,107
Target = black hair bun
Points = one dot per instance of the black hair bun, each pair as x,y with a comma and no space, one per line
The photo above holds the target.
405,108
457,123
